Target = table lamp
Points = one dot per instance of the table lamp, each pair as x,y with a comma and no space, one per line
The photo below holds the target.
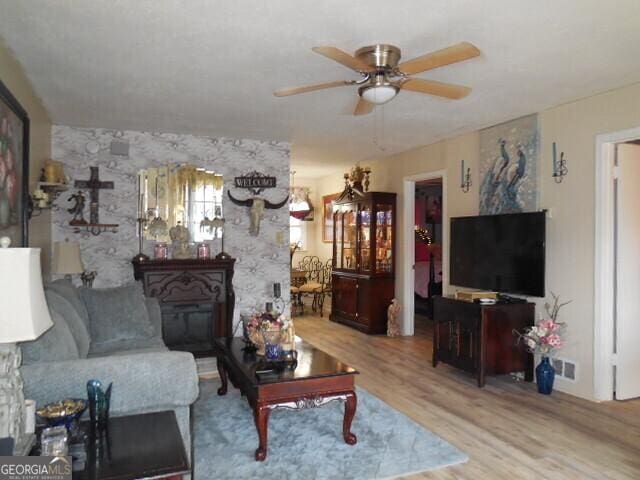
24,316
67,261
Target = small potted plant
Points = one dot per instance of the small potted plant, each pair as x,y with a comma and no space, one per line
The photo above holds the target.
544,339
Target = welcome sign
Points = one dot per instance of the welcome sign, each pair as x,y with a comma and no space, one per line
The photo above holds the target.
255,182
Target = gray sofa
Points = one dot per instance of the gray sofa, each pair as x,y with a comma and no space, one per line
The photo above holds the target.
146,376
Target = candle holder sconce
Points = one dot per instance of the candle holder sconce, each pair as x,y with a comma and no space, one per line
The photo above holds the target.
465,178
560,169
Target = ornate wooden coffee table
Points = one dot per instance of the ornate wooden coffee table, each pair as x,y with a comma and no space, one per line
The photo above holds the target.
317,380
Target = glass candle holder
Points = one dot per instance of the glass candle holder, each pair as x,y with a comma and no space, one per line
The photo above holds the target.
54,441
204,251
161,251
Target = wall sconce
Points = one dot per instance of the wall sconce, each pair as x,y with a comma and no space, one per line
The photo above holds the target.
465,178
43,197
559,166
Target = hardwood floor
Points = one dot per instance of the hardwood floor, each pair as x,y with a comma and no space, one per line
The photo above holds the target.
508,430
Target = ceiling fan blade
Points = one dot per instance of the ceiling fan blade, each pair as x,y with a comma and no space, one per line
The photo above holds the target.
342,57
431,87
446,56
285,92
363,107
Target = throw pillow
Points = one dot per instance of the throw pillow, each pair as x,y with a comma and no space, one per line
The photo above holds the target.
117,313
69,291
57,302
56,344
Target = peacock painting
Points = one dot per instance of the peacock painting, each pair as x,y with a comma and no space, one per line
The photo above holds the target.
508,167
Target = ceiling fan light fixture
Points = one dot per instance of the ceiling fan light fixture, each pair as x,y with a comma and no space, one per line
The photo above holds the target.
378,94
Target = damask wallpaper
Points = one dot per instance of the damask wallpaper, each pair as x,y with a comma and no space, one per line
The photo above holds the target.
260,261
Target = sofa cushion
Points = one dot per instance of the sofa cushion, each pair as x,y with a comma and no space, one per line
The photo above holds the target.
136,351
69,291
141,383
124,347
56,344
61,305
117,313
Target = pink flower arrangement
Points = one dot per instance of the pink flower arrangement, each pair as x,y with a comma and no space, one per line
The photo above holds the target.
545,337
265,321
264,324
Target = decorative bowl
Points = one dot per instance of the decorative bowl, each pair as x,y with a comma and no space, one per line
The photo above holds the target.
64,412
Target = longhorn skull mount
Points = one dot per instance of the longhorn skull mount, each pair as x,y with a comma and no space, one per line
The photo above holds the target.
256,210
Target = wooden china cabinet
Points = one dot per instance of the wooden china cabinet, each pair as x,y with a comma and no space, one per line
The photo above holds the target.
364,240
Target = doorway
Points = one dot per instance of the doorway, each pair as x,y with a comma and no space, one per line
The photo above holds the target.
617,272
408,257
428,247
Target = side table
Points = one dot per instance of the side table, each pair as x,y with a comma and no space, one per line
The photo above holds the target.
133,447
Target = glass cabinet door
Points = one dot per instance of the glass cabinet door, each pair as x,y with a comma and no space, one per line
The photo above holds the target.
364,236
337,239
349,239
384,238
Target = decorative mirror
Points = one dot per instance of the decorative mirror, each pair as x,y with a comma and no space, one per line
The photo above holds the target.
183,195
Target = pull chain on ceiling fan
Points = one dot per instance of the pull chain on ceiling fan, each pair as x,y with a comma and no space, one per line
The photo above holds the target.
382,77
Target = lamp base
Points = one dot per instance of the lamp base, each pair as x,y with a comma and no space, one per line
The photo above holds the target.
12,400
223,256
24,445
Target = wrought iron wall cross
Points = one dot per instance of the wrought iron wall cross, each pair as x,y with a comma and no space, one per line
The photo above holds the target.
94,185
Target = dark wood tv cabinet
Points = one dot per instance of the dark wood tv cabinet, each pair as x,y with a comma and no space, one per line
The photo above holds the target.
479,339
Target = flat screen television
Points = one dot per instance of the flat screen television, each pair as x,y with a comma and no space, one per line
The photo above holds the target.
502,253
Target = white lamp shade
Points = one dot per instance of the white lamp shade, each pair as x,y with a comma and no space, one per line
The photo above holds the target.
24,314
66,258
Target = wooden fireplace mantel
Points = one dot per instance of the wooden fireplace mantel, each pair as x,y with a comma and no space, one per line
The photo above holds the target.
196,299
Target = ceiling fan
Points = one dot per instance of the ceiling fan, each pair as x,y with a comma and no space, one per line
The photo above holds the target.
383,77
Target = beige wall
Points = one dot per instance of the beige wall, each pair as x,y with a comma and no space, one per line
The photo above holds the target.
570,230
13,77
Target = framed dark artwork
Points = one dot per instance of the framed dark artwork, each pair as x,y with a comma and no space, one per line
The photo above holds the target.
14,169
327,217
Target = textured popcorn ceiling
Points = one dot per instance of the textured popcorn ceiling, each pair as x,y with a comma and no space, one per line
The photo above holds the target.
209,67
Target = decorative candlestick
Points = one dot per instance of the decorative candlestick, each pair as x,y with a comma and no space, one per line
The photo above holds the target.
222,255
141,220
465,178
560,169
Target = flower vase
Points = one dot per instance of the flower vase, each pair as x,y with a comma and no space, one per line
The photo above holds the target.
545,375
272,344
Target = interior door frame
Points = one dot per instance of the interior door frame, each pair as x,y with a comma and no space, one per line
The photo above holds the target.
604,297
408,224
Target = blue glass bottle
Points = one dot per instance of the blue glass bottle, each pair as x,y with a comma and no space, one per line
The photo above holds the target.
99,403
